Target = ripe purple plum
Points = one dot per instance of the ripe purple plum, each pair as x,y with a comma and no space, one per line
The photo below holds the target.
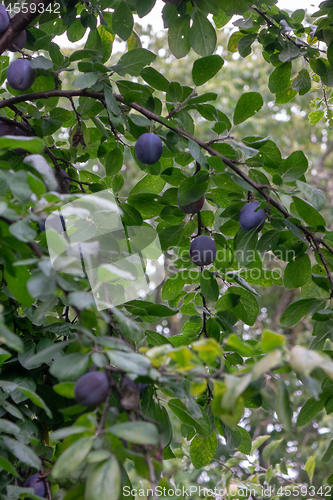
194,207
4,18
37,484
148,148
250,219
18,42
20,74
7,129
202,250
91,389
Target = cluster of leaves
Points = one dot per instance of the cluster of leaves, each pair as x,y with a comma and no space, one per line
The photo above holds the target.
205,376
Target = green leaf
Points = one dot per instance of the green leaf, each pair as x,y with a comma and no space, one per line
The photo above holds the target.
279,79
297,272
328,453
178,37
315,196
22,452
17,284
41,62
7,466
155,79
231,7
202,35
289,52
271,340
130,362
258,442
208,285
246,245
316,116
202,450
86,80
171,236
31,144
173,286
246,443
143,433
148,184
309,410
122,21
113,161
247,105
282,406
296,311
106,477
270,448
242,303
134,61
10,339
245,43
302,82
310,465
8,427
70,366
72,457
185,415
193,188
308,213
205,68
293,167
143,7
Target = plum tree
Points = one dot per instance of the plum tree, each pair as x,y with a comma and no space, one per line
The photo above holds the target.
19,41
4,18
194,207
37,484
91,389
20,74
249,218
148,148
202,250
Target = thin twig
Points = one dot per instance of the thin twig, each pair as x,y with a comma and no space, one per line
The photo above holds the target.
151,474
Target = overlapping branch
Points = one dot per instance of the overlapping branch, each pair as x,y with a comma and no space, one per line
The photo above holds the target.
69,94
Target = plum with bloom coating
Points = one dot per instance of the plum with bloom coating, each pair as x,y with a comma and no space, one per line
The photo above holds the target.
91,389
19,41
4,18
148,148
250,219
203,250
20,74
194,207
37,484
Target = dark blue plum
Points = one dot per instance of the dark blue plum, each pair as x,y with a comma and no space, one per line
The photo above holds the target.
20,74
4,18
91,389
37,484
194,207
7,129
148,148
203,250
250,219
18,42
